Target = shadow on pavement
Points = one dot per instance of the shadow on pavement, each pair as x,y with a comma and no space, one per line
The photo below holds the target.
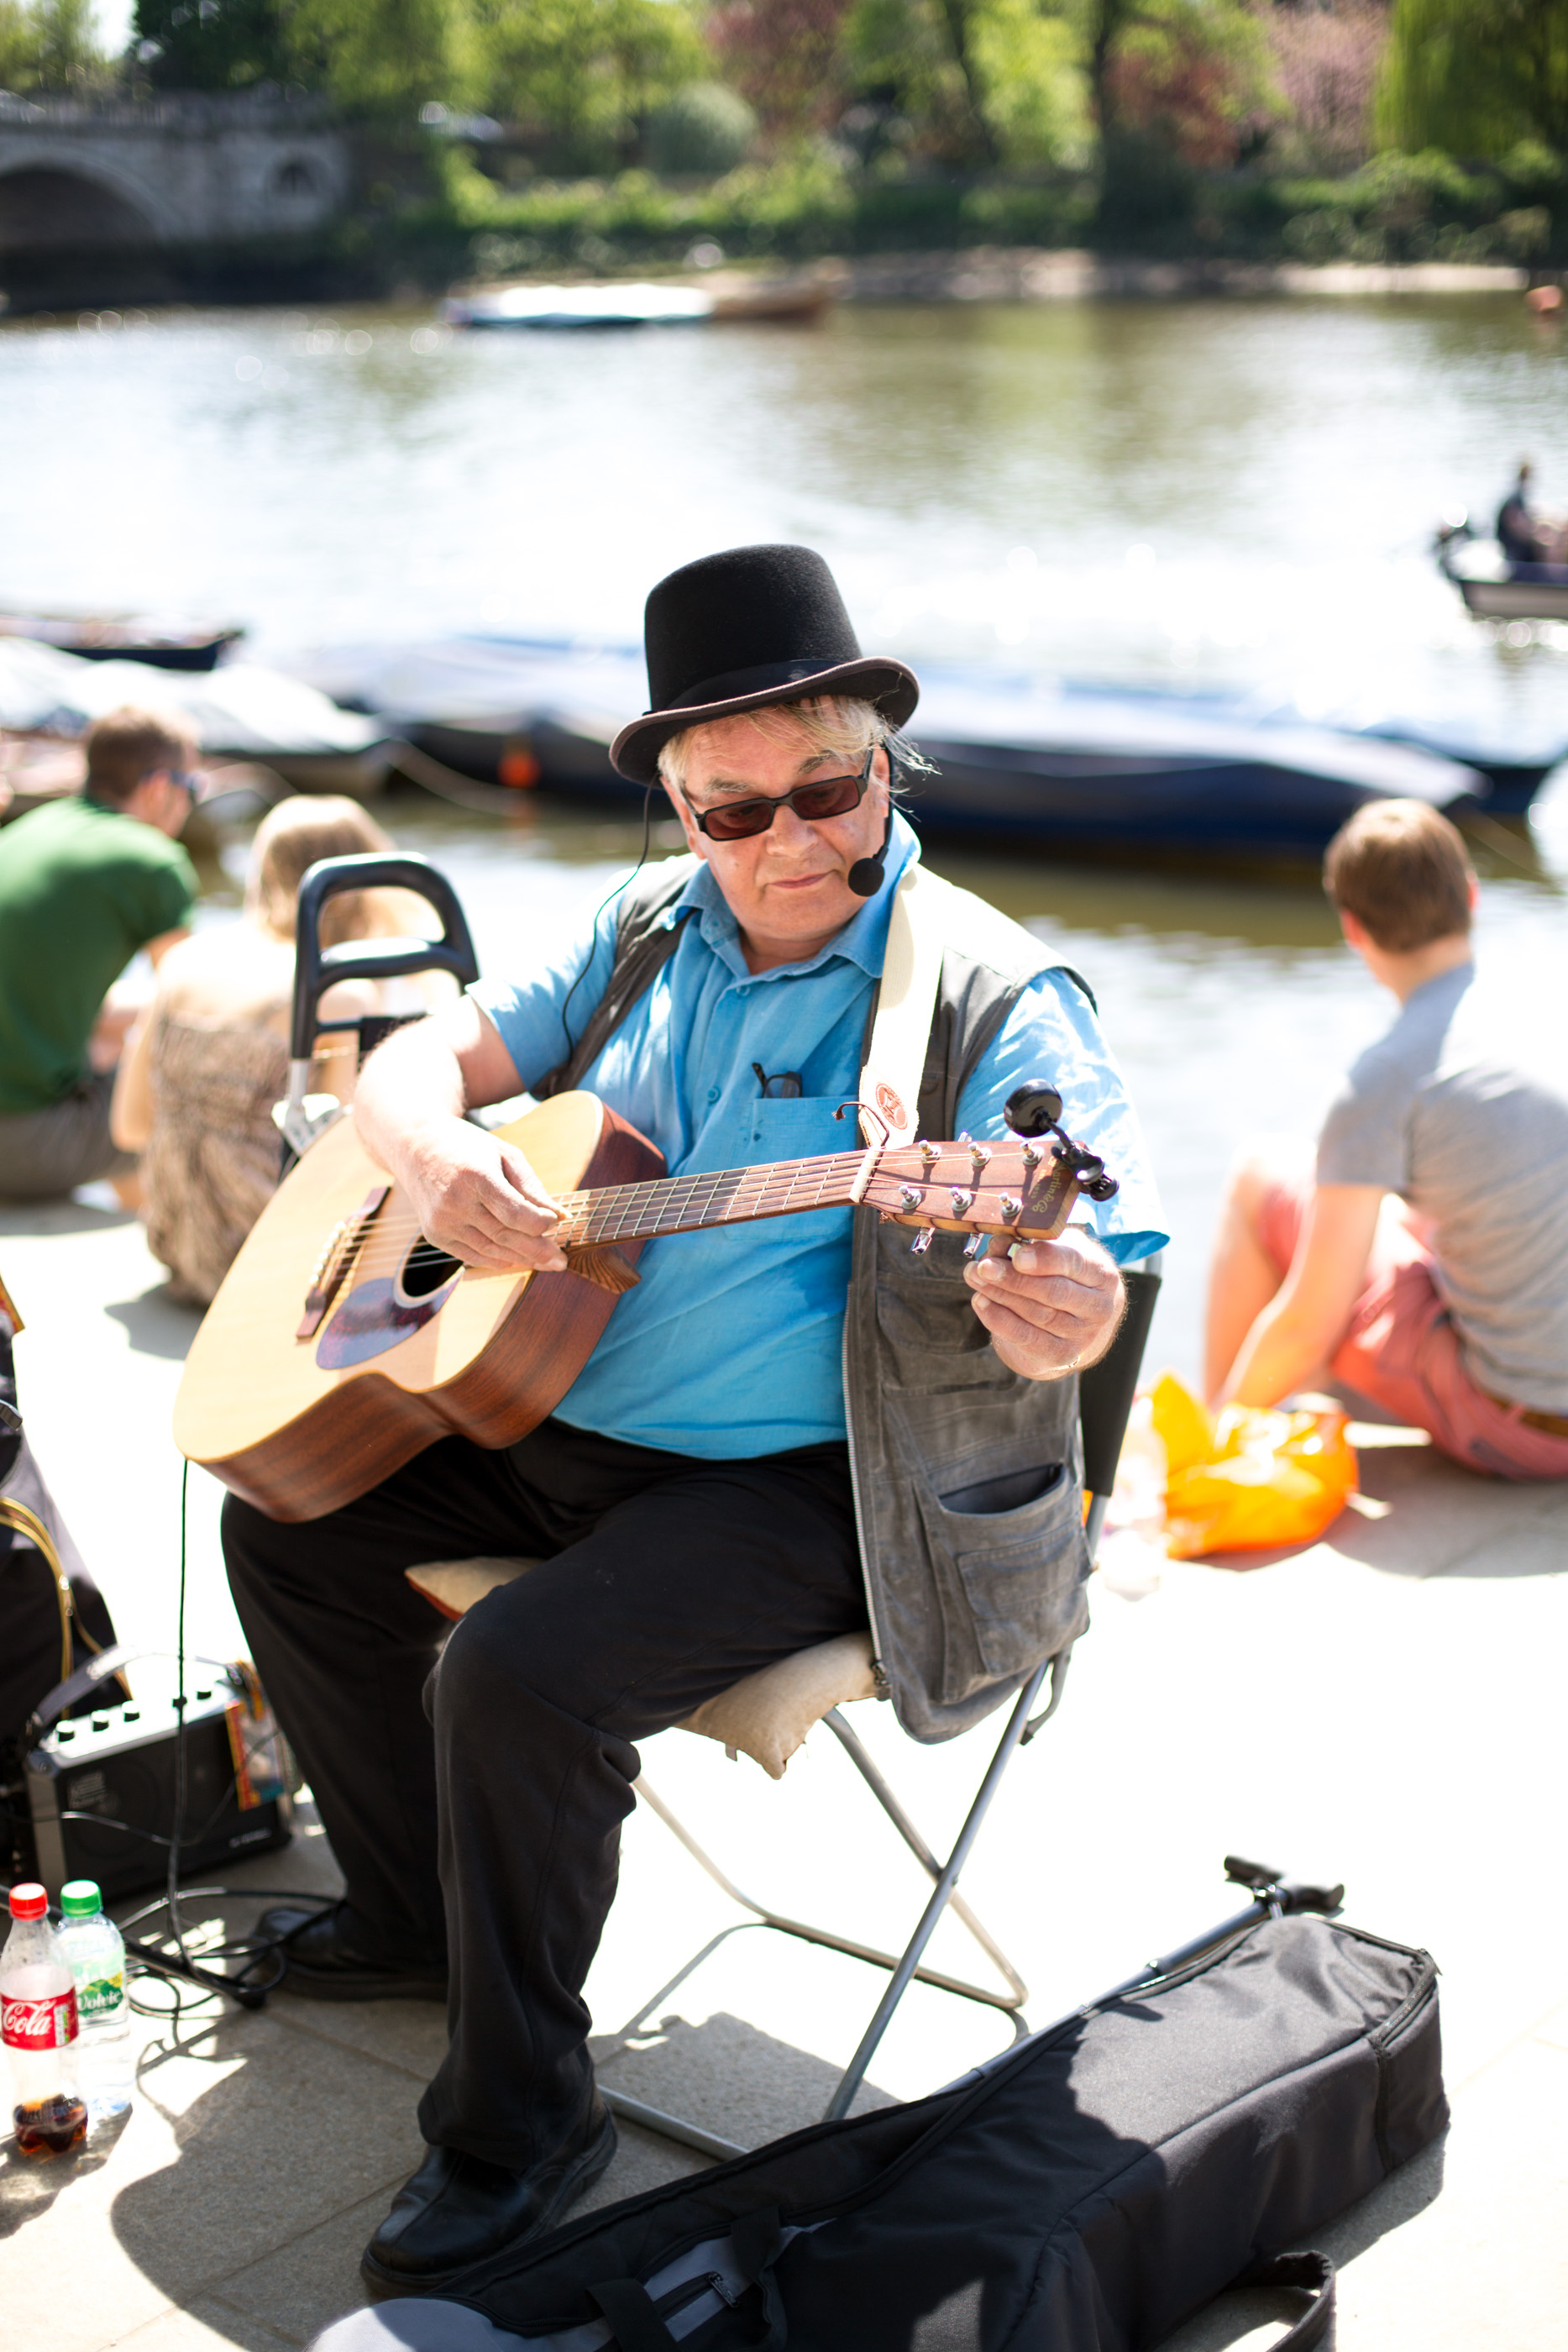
156,1323
33,1219
29,2186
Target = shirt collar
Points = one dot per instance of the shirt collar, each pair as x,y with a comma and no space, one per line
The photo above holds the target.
862,940
1457,977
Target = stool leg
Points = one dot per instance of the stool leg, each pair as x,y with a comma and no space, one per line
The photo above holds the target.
872,1775
850,2082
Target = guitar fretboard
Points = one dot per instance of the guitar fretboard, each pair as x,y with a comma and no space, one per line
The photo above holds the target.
725,1196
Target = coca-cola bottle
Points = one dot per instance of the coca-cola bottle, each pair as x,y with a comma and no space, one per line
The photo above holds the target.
39,2026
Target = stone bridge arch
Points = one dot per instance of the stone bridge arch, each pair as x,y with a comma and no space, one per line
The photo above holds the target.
52,196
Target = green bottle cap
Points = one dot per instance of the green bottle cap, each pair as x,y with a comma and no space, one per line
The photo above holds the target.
79,1898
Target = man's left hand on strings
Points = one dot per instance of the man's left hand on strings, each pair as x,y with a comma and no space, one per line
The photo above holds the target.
1050,1307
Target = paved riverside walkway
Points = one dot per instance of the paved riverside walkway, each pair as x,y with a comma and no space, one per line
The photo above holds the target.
1384,1708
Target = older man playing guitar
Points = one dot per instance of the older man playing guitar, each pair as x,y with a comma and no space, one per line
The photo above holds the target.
788,1432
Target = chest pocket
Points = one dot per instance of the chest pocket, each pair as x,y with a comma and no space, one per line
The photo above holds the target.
799,1130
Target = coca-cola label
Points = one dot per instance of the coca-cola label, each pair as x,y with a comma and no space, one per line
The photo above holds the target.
49,2023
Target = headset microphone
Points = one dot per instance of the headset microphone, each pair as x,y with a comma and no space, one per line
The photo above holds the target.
866,876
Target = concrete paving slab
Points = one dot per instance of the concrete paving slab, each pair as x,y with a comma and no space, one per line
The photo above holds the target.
205,2326
302,2285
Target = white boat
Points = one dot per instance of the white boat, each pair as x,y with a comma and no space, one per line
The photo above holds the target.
642,304
239,711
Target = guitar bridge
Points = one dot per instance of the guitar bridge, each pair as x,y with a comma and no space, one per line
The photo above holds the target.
335,1261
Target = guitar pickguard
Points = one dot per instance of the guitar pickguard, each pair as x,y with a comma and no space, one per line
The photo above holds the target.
375,1317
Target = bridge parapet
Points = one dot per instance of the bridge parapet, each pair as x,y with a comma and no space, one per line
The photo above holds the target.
180,169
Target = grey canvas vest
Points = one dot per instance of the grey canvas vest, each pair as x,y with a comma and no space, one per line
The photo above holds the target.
967,1478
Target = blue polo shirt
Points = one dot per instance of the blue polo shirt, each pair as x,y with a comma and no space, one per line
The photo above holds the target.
731,1345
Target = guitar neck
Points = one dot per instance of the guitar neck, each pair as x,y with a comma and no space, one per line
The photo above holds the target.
725,1196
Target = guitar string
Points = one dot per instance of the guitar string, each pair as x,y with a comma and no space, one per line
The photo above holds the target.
615,1213
384,1247
664,1205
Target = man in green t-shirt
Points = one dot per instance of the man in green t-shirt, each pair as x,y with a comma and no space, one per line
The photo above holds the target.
84,883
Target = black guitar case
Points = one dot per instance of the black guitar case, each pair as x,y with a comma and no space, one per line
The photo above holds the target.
1088,2191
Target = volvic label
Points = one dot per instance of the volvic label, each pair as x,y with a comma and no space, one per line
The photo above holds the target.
101,1998
49,2023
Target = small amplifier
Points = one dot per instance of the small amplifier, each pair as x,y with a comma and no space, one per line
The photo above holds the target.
101,1788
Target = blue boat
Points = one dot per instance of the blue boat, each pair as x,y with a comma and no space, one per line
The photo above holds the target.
1082,768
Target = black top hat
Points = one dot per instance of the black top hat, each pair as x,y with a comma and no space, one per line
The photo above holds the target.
736,631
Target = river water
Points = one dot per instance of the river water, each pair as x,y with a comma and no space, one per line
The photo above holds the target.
1239,493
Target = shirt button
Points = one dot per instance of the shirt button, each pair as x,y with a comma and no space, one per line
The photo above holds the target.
712,1094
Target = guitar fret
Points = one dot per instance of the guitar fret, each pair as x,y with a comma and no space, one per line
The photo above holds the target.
714,1197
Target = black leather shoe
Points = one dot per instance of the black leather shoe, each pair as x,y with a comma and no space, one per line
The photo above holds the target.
323,1964
457,2209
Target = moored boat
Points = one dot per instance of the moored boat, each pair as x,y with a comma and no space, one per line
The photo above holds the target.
568,309
124,636
1016,762
240,711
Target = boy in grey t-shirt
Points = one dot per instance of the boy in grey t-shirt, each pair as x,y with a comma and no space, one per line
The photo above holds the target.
1425,1263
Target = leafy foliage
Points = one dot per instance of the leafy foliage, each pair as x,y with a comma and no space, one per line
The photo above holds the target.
704,128
1326,64
50,45
586,74
786,57
211,44
1475,76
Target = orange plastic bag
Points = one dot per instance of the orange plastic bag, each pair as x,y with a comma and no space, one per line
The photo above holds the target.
1250,1480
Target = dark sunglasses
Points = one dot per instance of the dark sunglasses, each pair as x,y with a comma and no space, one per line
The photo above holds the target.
824,797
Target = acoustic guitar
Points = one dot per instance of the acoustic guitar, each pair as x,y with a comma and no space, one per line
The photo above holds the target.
342,1341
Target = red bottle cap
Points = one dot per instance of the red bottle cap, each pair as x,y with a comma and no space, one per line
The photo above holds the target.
28,1900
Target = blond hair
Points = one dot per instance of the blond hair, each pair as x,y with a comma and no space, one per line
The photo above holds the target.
839,723
1401,870
128,745
288,841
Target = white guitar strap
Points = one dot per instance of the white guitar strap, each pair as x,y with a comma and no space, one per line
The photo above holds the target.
895,1059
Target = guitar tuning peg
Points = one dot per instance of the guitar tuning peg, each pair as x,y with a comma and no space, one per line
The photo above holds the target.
929,1154
961,1202
1032,1156
1012,1209
921,1242
964,1136
981,1154
976,1246
910,1195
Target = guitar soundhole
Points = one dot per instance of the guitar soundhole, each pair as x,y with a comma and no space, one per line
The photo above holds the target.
427,1269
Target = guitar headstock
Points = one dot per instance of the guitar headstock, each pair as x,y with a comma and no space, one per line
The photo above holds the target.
1023,1188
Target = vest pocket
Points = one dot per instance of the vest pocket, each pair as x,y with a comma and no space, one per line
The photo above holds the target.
985,1482
1021,1571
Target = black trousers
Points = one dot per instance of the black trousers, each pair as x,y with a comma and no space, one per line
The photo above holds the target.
475,1806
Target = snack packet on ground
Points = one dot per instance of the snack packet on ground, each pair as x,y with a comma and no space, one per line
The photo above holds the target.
1249,1479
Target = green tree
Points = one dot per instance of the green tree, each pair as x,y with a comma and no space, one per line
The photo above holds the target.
1475,75
921,54
211,44
386,58
1191,70
587,73
375,56
50,45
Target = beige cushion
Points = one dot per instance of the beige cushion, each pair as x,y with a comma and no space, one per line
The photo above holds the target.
768,1714
452,1586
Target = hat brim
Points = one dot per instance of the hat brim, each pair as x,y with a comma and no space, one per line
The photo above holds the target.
891,685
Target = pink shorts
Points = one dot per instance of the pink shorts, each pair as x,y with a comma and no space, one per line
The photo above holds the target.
1401,1350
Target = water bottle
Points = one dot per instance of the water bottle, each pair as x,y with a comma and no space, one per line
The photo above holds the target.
94,1951
39,2028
